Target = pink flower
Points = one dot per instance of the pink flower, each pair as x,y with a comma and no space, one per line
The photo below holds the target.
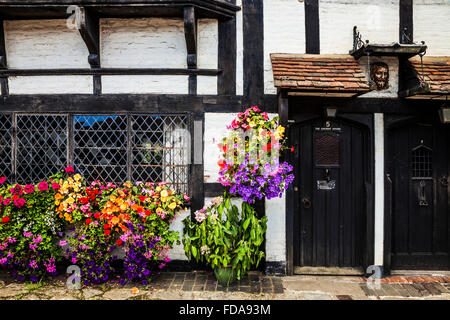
3,260
19,202
27,234
256,109
28,188
55,186
6,201
266,117
43,186
62,243
2,180
33,246
69,170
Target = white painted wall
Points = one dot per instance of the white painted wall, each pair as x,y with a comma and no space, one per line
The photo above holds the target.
276,229
284,32
39,44
432,25
215,130
177,252
145,84
379,188
142,43
377,22
50,85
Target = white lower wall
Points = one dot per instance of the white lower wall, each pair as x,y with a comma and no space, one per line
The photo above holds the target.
145,84
177,252
50,85
215,130
206,85
276,229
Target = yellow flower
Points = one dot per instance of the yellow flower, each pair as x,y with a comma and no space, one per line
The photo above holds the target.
164,194
172,206
281,130
77,177
252,124
70,200
57,202
158,189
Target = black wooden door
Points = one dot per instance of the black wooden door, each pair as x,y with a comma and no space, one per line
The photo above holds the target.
419,168
331,196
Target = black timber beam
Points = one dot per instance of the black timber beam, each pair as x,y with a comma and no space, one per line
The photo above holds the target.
312,26
56,9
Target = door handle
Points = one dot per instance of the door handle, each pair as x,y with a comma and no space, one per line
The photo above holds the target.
306,203
444,181
421,194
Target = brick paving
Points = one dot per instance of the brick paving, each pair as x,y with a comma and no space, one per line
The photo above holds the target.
201,285
202,281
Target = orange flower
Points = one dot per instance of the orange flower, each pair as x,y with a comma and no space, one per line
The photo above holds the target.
115,220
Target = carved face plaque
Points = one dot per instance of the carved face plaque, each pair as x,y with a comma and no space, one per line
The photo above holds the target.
379,72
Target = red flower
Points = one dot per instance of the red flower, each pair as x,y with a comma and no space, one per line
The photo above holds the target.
147,212
292,149
2,180
97,215
119,242
268,147
5,219
106,226
83,200
221,164
142,198
107,232
69,170
88,221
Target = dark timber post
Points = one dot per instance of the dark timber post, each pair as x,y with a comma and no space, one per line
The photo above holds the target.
312,26
226,81
406,21
3,63
190,32
253,30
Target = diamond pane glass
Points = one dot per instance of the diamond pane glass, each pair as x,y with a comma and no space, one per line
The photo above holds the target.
6,146
159,146
41,146
100,147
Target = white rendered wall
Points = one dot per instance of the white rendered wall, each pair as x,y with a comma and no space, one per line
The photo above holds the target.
40,44
177,252
379,189
145,84
377,22
207,54
284,32
432,25
215,130
50,85
276,229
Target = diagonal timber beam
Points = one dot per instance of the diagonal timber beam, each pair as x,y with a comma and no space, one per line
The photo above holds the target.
89,29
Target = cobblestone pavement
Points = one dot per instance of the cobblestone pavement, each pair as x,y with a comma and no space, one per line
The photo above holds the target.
200,285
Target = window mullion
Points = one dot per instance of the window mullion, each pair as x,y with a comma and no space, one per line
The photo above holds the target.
129,147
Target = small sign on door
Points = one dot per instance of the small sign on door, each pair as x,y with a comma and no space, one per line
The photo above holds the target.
326,185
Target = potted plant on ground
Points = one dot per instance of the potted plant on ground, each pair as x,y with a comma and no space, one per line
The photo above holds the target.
226,238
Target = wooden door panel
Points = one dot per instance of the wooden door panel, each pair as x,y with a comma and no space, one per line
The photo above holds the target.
330,231
420,224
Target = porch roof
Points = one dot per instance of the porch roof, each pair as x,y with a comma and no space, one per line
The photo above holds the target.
313,74
436,75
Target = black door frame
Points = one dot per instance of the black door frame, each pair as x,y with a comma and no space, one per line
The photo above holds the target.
364,120
391,122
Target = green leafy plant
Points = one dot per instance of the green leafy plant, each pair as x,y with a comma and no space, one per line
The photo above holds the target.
224,236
